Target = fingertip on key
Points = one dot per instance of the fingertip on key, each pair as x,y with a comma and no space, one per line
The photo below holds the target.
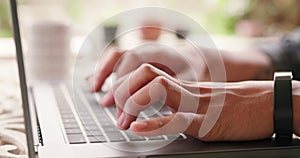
120,121
139,126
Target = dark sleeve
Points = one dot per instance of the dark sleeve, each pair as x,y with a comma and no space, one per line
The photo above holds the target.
284,53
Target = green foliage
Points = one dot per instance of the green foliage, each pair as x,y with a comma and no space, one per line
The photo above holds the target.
73,8
5,30
219,21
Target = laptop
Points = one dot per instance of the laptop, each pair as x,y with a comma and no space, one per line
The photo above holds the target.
67,121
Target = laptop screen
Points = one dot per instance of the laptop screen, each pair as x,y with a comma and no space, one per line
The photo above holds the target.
22,77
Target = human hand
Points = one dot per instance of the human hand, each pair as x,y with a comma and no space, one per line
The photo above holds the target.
208,111
186,64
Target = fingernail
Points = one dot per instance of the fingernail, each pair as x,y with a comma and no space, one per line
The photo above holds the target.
139,126
121,120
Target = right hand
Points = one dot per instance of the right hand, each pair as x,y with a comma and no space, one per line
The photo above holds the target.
219,111
186,64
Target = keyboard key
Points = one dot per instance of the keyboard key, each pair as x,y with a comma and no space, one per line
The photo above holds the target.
115,137
134,137
86,119
94,133
90,128
89,123
67,111
106,123
76,138
68,120
111,129
71,125
173,136
92,99
83,115
96,139
113,110
67,116
156,138
64,107
100,114
73,131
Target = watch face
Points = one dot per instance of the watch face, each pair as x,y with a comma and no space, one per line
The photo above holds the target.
283,75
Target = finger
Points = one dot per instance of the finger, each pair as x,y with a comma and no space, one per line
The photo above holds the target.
136,80
142,76
149,94
108,98
157,55
104,70
123,82
131,61
187,123
192,87
122,90
163,68
162,90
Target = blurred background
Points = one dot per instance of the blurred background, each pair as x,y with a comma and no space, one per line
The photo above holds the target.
226,17
233,19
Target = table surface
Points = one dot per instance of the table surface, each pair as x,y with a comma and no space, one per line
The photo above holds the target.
12,131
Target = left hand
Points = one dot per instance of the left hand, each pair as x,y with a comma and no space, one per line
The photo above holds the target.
245,114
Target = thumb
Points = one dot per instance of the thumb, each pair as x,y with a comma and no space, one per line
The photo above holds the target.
188,123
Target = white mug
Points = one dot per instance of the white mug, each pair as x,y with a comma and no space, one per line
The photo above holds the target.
48,50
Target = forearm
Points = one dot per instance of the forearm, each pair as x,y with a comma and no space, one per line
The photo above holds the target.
247,65
296,106
240,66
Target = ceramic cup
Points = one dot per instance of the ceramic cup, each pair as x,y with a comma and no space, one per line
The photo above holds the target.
48,50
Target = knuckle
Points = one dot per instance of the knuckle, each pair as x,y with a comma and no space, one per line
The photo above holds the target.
147,67
159,123
181,116
161,80
114,54
130,58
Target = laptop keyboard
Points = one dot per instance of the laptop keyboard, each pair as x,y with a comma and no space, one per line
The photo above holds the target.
85,121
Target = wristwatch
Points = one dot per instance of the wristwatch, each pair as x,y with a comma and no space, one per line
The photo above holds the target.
283,108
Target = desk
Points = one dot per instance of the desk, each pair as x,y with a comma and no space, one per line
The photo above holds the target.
12,131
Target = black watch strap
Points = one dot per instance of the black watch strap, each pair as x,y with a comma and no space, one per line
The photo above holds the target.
283,108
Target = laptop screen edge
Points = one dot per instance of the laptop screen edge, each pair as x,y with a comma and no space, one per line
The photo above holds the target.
22,77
